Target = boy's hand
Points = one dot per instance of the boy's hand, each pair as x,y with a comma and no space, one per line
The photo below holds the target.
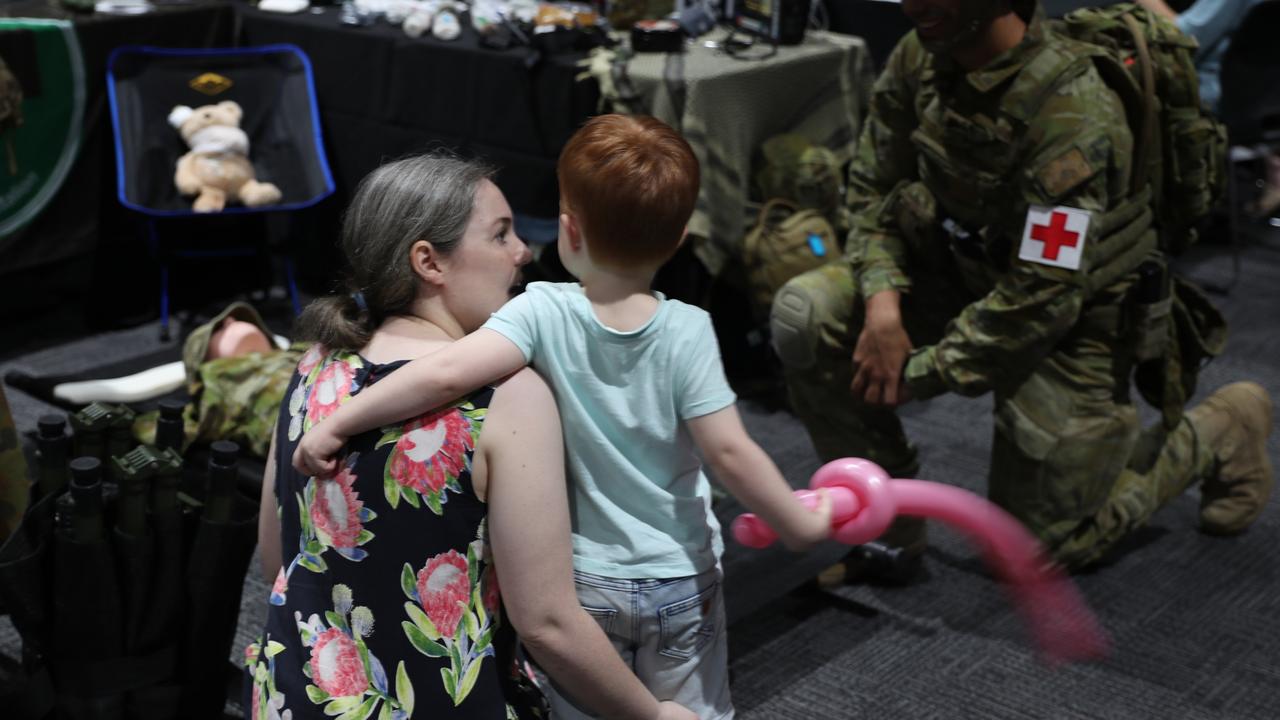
668,710
316,453
808,528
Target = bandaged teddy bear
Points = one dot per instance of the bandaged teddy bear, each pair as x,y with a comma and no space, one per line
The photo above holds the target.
217,169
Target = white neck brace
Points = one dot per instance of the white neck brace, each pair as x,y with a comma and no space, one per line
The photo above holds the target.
218,139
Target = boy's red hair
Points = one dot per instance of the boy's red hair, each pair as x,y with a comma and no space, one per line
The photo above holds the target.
631,182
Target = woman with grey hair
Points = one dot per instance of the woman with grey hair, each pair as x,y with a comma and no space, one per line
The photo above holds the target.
387,602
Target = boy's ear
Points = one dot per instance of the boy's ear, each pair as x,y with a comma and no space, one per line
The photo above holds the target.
572,231
425,262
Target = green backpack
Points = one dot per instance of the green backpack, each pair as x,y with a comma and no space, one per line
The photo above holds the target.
787,240
1180,148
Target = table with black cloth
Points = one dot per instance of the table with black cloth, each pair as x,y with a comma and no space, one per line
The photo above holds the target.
383,94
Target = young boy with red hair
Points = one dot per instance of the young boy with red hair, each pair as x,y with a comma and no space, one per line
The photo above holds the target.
639,383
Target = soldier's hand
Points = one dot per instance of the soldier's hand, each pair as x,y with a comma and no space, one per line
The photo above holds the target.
881,353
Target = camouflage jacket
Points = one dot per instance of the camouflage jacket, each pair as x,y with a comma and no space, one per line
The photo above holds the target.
233,398
986,145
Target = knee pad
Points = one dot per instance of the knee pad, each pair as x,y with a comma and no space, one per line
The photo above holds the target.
791,325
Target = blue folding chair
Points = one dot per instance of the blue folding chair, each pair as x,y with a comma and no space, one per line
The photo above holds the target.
271,83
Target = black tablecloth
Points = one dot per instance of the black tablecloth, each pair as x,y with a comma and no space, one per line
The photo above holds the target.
383,94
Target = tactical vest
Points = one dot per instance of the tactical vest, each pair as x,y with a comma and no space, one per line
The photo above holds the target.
975,165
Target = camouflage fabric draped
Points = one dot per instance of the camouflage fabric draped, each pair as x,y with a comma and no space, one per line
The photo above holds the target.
236,399
232,398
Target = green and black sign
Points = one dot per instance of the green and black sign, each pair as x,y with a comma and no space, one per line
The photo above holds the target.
42,95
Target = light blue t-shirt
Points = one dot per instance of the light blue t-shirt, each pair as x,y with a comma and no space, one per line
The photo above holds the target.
640,503
1211,22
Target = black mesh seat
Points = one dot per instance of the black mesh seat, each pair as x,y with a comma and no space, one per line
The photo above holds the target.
273,86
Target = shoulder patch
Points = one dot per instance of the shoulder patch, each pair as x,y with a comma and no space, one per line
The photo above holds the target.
1064,172
1055,236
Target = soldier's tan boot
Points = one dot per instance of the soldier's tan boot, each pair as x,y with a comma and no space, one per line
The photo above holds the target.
1235,422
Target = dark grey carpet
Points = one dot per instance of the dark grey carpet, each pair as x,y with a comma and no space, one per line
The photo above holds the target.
1195,620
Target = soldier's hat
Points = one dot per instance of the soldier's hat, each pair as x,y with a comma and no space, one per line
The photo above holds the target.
196,347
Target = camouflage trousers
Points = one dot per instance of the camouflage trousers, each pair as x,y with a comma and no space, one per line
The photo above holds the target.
1069,458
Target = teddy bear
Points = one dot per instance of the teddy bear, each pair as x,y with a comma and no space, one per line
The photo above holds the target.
217,169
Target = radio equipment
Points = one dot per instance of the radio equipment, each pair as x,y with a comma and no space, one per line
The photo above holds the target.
781,22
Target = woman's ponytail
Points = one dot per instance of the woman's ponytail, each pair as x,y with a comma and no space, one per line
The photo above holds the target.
338,322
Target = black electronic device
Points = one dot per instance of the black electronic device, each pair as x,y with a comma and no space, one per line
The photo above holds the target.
782,22
664,36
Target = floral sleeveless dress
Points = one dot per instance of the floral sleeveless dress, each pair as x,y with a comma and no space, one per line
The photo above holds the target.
387,606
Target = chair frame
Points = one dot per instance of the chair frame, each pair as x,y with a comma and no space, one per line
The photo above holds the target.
151,215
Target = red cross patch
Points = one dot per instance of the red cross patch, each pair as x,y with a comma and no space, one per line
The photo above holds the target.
1055,236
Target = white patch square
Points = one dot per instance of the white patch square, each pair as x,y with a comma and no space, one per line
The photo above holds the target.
1055,236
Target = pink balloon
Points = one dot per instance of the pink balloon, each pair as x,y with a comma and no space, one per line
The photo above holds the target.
865,501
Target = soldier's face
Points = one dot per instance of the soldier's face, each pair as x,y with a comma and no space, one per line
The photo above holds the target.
935,20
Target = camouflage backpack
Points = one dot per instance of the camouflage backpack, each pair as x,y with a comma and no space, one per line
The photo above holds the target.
1179,147
793,168
786,241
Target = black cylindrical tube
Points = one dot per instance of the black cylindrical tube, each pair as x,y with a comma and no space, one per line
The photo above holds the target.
120,433
223,464
86,492
169,426
52,447
133,473
164,486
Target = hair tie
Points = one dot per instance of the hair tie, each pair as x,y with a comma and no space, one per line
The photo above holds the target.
358,297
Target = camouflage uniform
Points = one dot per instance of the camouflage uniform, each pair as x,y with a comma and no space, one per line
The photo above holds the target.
1036,126
234,398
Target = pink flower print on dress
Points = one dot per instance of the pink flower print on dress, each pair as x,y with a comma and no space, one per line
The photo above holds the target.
432,452
444,589
335,664
332,386
335,511
280,586
310,359
490,593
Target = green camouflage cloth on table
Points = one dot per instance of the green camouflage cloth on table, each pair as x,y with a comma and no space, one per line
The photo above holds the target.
726,108
233,398
15,485
795,169
948,168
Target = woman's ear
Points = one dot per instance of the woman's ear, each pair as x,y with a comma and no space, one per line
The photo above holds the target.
425,262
